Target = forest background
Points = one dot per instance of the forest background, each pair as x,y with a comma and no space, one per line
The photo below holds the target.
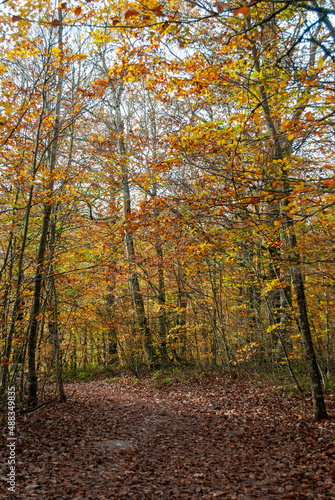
167,189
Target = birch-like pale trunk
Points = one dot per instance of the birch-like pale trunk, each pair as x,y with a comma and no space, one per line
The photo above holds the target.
134,283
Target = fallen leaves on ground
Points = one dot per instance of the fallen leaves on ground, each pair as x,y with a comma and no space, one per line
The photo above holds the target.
210,439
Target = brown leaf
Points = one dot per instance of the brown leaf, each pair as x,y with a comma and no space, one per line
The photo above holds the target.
16,18
221,6
242,10
158,10
131,13
164,27
32,486
64,6
77,11
247,424
55,22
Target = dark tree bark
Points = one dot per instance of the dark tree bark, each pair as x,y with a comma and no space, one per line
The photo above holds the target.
39,275
281,148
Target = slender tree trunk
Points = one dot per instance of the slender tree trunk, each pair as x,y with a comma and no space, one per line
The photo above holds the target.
18,298
112,332
161,299
53,322
134,283
162,319
181,315
39,275
32,377
319,406
217,321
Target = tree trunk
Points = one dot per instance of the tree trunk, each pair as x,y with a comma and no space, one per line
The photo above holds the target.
53,321
319,406
128,236
161,299
112,328
33,331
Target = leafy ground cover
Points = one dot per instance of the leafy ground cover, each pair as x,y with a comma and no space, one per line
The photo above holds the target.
197,439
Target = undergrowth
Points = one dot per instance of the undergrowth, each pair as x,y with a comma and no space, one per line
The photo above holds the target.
169,376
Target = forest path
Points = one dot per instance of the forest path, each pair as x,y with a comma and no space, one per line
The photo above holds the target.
197,440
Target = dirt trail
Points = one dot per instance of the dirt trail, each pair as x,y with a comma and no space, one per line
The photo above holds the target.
206,440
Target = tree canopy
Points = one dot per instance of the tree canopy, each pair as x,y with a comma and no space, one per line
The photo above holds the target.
167,187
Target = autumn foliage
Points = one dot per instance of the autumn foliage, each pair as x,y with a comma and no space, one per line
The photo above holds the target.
167,188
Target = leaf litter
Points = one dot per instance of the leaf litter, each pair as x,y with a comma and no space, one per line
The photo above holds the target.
235,440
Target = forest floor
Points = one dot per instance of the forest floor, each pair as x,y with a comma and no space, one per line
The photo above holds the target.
205,439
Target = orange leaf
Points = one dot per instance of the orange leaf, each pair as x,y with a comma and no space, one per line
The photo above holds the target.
102,83
16,18
55,22
78,11
131,13
242,10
